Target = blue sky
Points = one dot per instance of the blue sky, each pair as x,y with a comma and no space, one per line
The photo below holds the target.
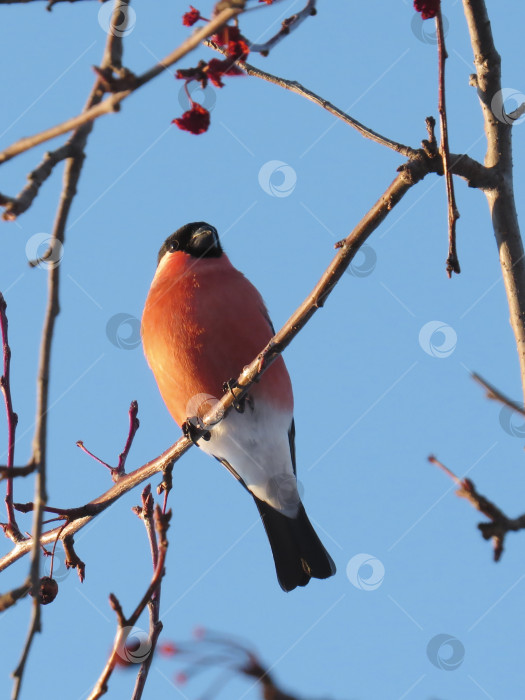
377,389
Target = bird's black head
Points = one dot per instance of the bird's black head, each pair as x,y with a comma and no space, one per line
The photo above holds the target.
198,239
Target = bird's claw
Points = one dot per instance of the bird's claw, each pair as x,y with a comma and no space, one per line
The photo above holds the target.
192,432
229,386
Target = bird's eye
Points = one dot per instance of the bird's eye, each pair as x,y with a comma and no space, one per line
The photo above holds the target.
173,246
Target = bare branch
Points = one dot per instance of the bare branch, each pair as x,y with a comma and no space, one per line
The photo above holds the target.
19,204
73,561
499,158
119,471
71,177
289,24
496,395
133,427
126,624
155,625
49,5
453,213
16,471
112,103
299,89
10,598
215,651
10,528
500,524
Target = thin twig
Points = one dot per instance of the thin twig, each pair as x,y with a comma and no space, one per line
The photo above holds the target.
16,471
453,213
214,650
72,560
155,625
50,3
112,103
289,24
496,395
14,206
126,624
500,524
13,596
10,528
498,158
411,173
134,424
299,89
71,177
119,471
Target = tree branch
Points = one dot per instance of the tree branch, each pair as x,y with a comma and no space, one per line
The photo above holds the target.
10,528
125,625
49,5
289,24
500,524
499,158
14,206
453,213
299,89
71,177
155,625
112,103
496,395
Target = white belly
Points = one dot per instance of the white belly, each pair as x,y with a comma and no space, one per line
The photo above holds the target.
255,444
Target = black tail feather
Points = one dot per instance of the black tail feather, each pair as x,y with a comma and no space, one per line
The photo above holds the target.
297,551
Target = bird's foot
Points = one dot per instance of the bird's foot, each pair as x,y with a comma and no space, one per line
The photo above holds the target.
194,433
238,404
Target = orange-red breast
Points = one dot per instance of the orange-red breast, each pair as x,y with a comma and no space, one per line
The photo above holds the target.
203,322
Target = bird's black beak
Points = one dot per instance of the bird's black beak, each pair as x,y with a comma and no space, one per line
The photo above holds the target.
205,242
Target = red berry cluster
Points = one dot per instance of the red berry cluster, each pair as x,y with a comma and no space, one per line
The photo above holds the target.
428,8
197,119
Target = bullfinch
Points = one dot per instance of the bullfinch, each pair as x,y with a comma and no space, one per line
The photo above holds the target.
202,323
